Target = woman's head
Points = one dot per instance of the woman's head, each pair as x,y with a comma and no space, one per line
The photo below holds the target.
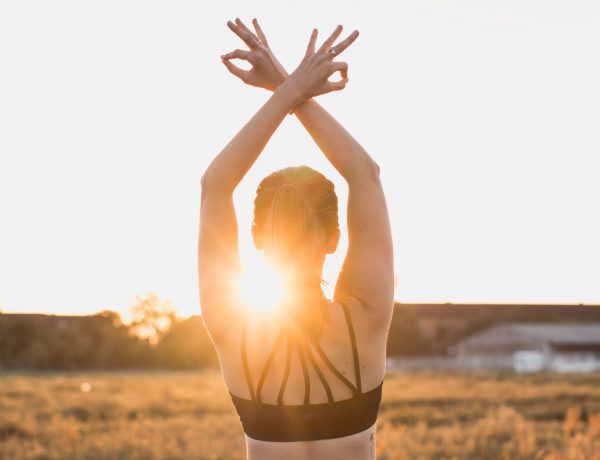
296,220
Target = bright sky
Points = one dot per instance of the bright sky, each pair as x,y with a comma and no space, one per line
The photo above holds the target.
482,115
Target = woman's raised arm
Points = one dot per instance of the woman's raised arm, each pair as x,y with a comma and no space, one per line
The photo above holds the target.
368,271
230,166
218,255
308,80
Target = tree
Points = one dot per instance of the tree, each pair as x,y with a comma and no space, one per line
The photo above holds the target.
405,335
187,345
151,318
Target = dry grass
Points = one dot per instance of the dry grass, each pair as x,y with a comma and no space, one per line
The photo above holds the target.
173,415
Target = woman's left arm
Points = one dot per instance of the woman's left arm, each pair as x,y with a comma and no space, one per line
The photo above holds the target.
230,166
218,255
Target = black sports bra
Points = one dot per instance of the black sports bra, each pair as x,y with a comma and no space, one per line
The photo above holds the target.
303,422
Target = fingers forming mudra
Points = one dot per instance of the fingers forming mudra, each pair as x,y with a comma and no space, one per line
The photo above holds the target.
266,72
311,76
318,65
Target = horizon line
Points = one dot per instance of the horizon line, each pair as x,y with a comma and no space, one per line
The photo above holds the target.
396,303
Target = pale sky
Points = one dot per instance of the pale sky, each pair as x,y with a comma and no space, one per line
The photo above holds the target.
484,117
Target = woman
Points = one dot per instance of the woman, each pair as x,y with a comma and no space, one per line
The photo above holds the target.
305,380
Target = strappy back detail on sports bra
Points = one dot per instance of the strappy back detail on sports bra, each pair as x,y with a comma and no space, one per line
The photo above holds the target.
333,419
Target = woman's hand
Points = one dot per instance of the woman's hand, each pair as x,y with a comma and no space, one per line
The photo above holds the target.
266,72
311,77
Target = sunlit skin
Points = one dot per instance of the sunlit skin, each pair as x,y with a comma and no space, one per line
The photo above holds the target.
229,291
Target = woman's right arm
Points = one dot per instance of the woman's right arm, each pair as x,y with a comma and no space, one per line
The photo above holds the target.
368,271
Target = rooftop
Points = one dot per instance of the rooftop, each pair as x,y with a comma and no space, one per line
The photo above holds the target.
556,333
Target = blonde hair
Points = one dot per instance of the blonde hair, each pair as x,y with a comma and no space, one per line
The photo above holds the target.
295,215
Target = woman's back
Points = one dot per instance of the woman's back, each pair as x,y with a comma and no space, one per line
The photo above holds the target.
270,359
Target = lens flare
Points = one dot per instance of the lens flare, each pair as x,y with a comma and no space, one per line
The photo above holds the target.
261,287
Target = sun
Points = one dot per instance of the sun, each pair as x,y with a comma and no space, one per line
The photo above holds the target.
261,287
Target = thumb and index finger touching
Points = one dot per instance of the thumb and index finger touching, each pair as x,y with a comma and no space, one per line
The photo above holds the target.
342,67
254,40
250,39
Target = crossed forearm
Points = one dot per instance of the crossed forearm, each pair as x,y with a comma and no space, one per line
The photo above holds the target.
233,162
343,151
346,155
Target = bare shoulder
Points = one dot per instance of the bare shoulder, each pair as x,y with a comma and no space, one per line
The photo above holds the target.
371,319
223,319
370,335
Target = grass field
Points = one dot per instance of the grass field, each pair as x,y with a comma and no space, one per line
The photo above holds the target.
187,415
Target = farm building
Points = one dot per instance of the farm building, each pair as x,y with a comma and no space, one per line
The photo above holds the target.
530,347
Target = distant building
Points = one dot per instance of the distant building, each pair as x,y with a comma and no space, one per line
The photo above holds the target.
531,347
456,319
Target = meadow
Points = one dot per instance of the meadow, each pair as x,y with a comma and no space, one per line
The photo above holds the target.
188,415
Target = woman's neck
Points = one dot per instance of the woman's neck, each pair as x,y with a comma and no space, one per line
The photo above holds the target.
307,291
303,286
306,308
